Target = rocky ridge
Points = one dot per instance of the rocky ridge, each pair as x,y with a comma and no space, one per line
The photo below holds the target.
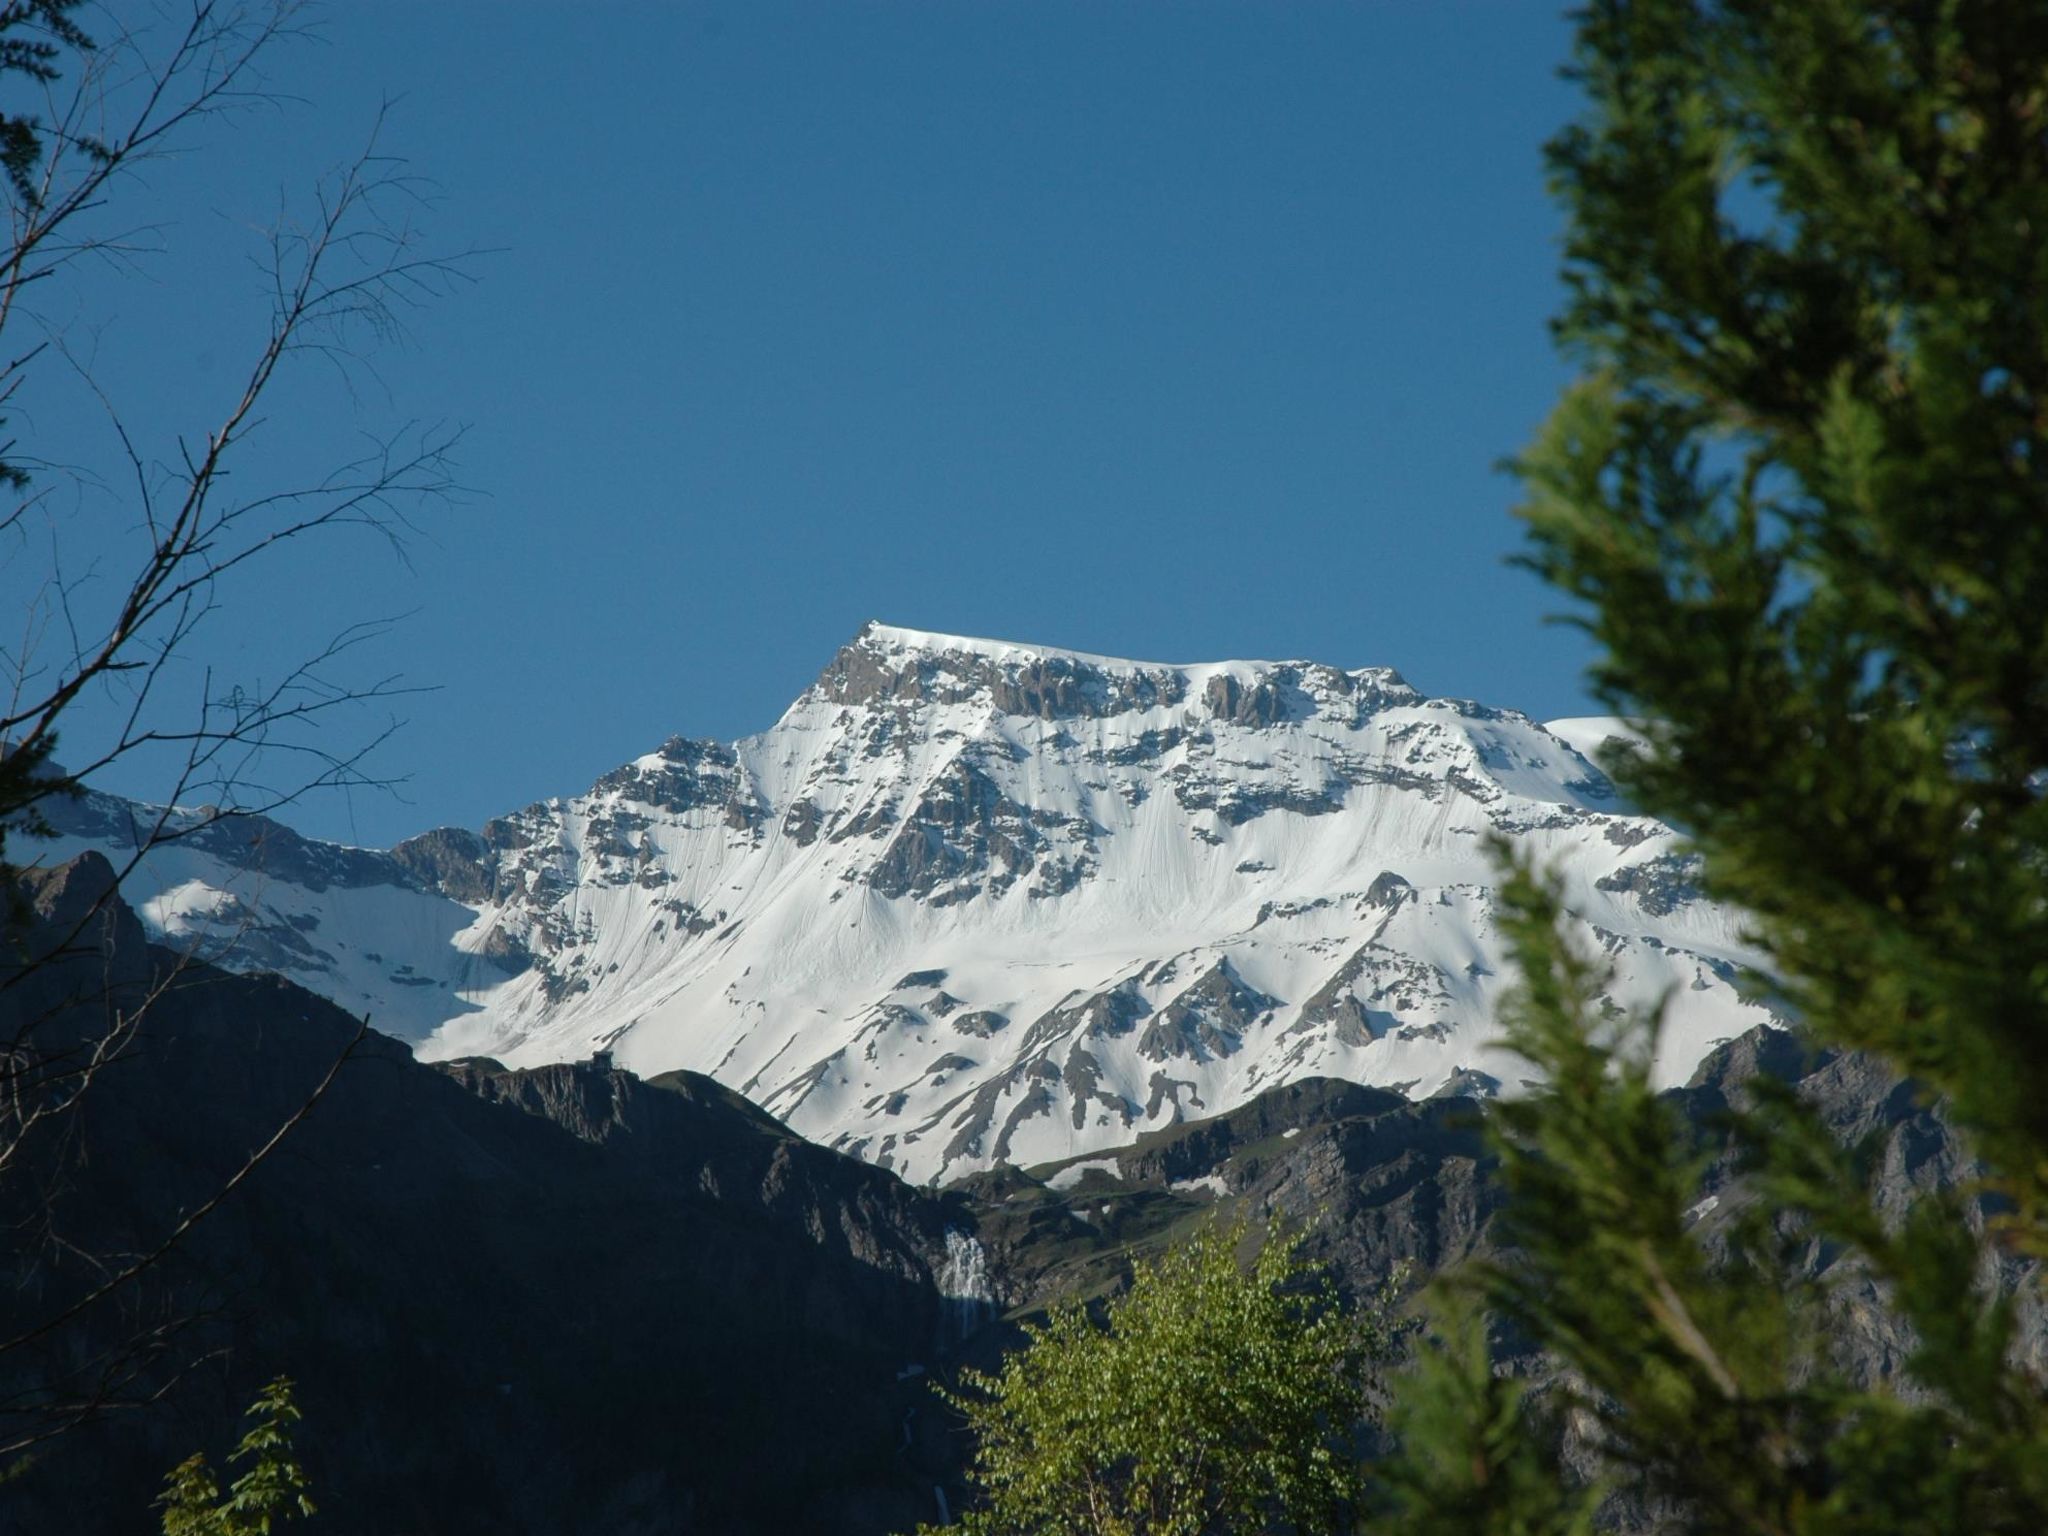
970,903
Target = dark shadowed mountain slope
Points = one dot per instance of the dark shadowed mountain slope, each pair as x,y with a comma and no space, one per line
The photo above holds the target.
549,1301
569,1299
1377,1181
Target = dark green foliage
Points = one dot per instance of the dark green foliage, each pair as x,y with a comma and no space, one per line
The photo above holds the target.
27,778
33,35
1209,1400
1802,496
1477,1446
270,1490
1708,1387
1599,1178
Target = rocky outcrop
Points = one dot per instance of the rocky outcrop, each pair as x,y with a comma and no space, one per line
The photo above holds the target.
1043,686
1049,827
1376,1181
453,860
964,836
1207,1020
242,839
1660,884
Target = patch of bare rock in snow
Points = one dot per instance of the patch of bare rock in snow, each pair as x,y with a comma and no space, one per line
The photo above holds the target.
971,902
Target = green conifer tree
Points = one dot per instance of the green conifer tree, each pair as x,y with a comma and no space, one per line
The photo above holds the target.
1801,495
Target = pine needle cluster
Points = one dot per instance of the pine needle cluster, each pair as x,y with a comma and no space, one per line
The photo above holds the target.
1801,497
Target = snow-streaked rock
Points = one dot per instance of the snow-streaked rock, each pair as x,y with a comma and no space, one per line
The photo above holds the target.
971,902
1590,735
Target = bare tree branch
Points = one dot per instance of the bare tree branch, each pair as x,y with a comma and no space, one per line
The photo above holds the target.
178,1233
123,628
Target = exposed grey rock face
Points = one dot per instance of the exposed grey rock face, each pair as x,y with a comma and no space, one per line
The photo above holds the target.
1388,890
505,950
1378,1179
684,776
1261,704
252,842
1372,1179
1375,1181
964,837
1915,1152
1046,828
869,671
1378,991
1237,803
1661,884
1207,1020
78,943
450,859
800,823
1465,1083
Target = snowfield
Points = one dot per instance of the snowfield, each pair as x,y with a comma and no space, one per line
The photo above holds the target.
970,902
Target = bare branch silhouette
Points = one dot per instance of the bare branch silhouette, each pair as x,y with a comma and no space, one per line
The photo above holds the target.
122,627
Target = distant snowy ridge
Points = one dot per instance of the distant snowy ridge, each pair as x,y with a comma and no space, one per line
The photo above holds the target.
1590,735
972,902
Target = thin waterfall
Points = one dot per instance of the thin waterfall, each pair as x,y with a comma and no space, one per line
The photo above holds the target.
964,1281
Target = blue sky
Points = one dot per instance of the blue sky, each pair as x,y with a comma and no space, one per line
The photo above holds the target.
1180,331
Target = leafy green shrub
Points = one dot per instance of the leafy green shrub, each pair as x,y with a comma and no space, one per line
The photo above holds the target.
1209,1399
270,1489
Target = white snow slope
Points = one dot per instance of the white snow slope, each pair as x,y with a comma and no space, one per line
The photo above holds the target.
970,902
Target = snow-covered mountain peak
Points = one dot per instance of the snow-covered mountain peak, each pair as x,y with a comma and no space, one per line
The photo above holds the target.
970,901
887,665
